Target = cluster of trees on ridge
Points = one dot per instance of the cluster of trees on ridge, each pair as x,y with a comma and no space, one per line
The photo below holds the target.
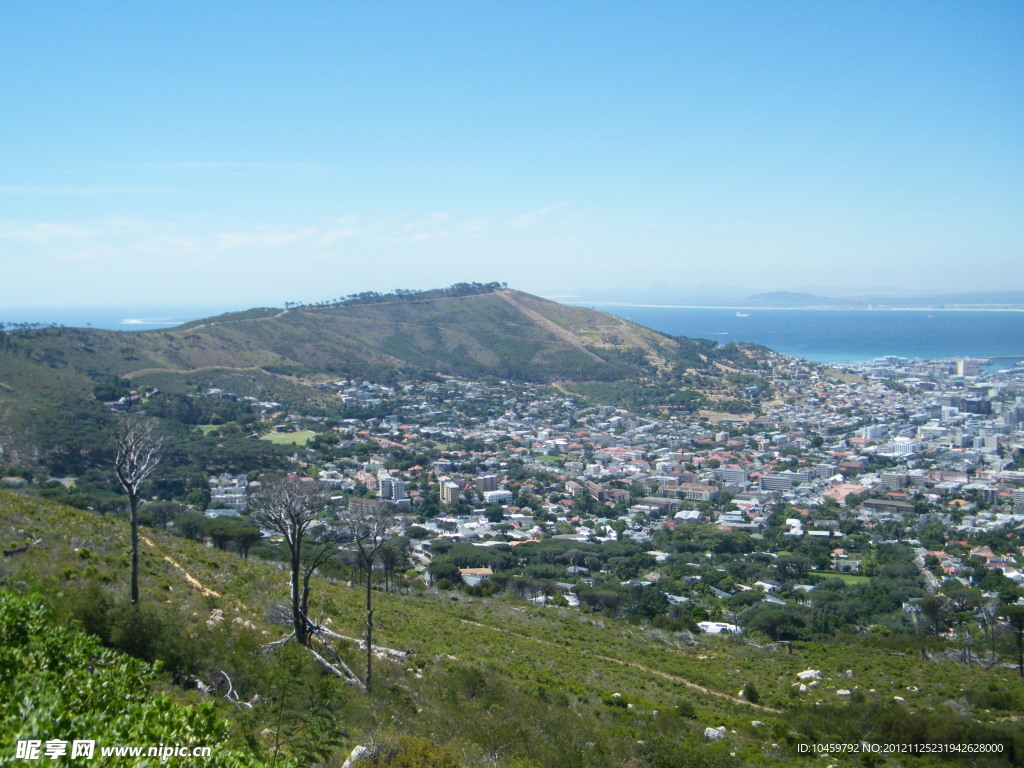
403,294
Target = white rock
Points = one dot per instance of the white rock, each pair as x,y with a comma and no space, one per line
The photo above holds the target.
712,734
842,692
356,753
809,674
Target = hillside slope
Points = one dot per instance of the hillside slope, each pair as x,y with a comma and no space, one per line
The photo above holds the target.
502,682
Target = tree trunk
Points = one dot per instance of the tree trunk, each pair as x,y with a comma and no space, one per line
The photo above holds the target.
133,501
369,626
298,621
304,601
1020,652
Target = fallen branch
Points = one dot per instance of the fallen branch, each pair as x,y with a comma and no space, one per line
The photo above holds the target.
271,646
232,695
345,672
19,550
377,649
338,660
348,678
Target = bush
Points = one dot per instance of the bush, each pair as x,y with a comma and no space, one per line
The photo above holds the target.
146,633
408,752
687,710
994,696
615,700
751,694
59,683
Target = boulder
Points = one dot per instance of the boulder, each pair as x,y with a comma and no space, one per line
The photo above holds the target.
354,756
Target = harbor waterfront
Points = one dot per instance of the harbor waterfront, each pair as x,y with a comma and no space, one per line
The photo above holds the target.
845,335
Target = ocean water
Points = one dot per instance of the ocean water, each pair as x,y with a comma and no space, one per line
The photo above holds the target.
129,318
838,335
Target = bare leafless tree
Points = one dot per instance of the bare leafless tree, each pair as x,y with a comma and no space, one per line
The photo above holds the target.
290,506
368,526
138,447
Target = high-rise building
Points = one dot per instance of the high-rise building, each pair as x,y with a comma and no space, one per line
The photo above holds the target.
390,488
825,470
774,482
730,474
894,481
449,492
486,483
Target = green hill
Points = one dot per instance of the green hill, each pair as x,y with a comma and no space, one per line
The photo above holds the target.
53,374
495,682
501,333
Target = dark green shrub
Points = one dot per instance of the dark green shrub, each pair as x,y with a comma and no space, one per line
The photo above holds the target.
686,709
408,752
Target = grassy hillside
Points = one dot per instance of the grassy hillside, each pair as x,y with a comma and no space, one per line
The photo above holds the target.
501,333
491,682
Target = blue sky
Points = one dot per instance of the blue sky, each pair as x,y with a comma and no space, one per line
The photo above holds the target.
250,153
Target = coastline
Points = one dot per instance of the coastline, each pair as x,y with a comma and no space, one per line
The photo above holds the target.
816,308
837,335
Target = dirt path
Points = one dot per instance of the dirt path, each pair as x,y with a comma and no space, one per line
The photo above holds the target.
145,371
552,328
634,665
191,580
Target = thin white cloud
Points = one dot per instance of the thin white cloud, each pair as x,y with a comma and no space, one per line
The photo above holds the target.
218,166
337,234
228,241
432,220
268,239
535,218
68,191
475,225
170,244
177,241
43,233
438,228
